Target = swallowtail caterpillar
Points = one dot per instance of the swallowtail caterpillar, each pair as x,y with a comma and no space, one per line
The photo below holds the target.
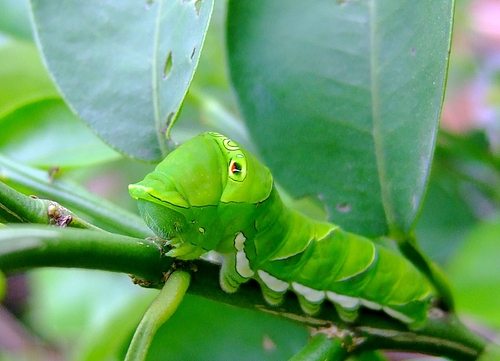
212,194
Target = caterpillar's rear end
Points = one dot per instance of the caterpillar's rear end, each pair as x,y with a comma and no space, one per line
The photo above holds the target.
344,268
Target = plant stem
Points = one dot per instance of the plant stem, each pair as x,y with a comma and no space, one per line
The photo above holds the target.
30,246
162,308
409,248
73,196
20,208
320,348
442,336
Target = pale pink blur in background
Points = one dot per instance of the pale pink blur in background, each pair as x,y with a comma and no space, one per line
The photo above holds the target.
474,103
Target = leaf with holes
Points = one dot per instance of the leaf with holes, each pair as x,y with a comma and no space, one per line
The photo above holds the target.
343,99
124,68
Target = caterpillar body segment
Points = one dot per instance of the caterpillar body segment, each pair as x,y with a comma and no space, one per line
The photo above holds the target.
211,194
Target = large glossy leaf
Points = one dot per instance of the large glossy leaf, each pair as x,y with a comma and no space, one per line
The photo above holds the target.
445,219
343,99
124,67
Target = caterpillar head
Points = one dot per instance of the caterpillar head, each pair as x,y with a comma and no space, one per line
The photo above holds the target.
188,198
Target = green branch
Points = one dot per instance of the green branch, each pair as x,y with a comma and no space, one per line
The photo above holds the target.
409,248
73,196
29,246
15,207
320,348
162,308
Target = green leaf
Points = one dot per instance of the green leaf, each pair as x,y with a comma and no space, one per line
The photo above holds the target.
445,218
491,353
127,76
235,334
14,18
47,134
106,338
23,79
343,100
94,311
475,274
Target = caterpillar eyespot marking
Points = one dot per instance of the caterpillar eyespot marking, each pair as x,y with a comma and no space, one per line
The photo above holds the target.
235,168
258,237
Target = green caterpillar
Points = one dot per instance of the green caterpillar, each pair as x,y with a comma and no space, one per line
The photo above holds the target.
212,194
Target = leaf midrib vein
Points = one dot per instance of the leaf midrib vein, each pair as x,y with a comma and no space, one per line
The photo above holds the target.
378,136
